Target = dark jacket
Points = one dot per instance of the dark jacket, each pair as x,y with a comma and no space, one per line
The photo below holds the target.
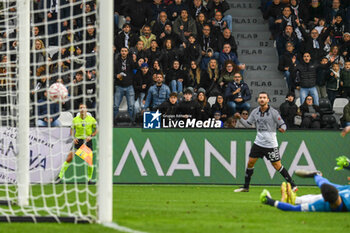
127,70
332,83
140,80
119,40
288,112
286,61
222,109
168,108
208,42
189,108
322,73
45,112
139,12
205,111
304,109
212,8
175,75
273,10
305,74
192,52
222,40
244,93
345,77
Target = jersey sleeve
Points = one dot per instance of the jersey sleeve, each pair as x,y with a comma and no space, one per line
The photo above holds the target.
279,121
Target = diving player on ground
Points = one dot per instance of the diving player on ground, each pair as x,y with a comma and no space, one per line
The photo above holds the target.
267,120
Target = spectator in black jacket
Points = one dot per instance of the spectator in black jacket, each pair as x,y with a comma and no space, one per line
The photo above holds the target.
137,13
168,54
188,107
196,8
158,26
237,95
288,35
208,41
169,108
220,105
311,114
174,9
289,110
227,37
153,52
169,34
222,6
287,63
176,78
123,80
322,73
141,83
271,14
192,51
125,38
204,107
336,9
287,18
305,78
300,10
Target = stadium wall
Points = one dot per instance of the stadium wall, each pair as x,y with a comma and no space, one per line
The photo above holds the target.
218,156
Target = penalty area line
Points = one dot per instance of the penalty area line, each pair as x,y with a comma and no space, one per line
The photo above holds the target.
115,226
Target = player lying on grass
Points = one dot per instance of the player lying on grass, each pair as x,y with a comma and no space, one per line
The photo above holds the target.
334,198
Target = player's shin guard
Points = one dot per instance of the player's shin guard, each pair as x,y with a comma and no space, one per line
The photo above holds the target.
286,176
248,174
63,169
90,171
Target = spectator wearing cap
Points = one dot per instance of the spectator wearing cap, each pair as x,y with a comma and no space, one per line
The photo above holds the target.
237,94
220,106
184,26
204,106
289,110
176,78
188,107
141,83
125,38
158,26
192,51
157,94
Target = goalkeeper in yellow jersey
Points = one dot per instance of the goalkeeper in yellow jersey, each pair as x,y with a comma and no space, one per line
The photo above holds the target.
84,127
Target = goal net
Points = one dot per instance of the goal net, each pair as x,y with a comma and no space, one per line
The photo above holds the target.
49,162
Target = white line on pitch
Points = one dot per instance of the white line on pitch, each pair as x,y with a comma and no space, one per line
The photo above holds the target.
121,228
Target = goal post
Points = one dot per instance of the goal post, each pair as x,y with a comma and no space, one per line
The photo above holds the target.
74,48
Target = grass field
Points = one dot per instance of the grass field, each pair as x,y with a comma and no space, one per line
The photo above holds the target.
191,208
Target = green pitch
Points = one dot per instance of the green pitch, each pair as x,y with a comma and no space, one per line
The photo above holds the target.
191,208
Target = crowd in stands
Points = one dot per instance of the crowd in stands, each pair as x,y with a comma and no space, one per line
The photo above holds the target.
312,38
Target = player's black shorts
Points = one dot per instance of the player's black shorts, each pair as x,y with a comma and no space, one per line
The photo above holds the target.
81,142
271,154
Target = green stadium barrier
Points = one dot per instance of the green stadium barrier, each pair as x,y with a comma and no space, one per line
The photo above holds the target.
218,156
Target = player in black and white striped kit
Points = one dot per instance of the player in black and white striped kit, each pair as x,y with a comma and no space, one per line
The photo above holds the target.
267,120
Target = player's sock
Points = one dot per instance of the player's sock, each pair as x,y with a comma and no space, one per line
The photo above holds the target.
270,201
63,169
90,171
286,176
248,175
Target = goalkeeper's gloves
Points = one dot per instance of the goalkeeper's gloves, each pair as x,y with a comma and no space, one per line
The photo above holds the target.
342,162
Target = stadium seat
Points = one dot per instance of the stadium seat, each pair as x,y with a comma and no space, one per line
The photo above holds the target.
65,118
329,122
297,102
339,104
325,106
123,105
212,100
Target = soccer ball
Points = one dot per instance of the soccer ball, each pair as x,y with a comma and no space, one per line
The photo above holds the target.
57,92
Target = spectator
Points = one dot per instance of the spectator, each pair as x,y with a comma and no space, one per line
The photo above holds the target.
208,41
334,57
125,38
222,6
305,78
218,24
289,110
157,94
322,76
170,107
123,78
49,15
333,82
201,21
204,106
314,43
244,115
288,35
315,12
188,107
227,73
286,18
139,50
174,9
227,54
237,95
90,37
287,63
271,14
168,54
184,26
48,113
192,51
210,79
206,58
227,38
230,123
156,8
137,13
334,11
195,74
158,26
345,47
300,11
197,8
345,80
38,56
345,120
147,36
220,106
176,78
217,118
338,29
153,52
141,83
168,34
156,68
311,114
